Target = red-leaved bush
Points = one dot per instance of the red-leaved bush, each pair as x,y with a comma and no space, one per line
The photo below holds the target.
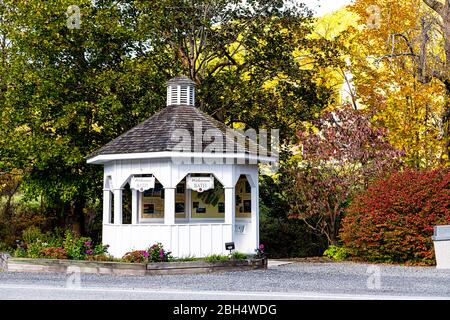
393,220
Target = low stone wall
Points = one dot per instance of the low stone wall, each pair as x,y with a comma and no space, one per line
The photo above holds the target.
205,267
70,266
4,260
120,268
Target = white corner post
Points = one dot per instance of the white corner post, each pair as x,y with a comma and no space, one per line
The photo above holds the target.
107,196
134,206
169,206
255,214
118,206
230,208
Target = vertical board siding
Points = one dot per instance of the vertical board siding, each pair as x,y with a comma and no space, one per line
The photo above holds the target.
198,240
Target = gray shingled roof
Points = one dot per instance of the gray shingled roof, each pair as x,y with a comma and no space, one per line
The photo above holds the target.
181,80
154,134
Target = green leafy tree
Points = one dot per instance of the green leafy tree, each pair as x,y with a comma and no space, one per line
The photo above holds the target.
253,63
66,91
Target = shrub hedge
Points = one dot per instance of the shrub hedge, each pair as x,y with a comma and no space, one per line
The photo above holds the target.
393,220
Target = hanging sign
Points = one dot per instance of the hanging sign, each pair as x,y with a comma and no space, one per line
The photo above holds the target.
142,183
200,184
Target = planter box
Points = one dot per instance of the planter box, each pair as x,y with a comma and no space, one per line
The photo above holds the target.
70,266
121,268
205,267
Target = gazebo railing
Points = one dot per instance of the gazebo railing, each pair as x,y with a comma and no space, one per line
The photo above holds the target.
183,240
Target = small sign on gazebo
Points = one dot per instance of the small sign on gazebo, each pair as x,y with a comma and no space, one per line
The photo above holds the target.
142,184
200,184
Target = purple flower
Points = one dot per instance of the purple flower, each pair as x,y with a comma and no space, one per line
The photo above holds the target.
145,254
89,252
88,243
161,253
261,247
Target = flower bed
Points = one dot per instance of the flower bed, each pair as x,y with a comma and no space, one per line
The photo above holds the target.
57,245
122,268
52,252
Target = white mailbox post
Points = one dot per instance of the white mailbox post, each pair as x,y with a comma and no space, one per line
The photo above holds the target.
441,240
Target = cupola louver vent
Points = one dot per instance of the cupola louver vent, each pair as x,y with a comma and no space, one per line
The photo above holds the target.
181,91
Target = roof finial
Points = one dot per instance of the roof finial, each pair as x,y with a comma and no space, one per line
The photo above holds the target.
180,91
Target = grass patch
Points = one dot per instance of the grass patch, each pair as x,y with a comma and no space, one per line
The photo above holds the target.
238,256
216,257
187,259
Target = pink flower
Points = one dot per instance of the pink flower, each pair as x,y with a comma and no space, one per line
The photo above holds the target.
261,247
161,253
88,243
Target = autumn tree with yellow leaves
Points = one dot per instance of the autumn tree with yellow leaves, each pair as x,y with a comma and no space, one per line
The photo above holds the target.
399,56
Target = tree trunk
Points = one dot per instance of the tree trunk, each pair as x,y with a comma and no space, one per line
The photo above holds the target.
79,214
76,219
446,119
443,10
7,211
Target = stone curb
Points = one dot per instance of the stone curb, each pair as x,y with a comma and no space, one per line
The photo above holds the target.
7,263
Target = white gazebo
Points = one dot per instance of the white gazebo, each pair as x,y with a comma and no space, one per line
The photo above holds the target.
183,179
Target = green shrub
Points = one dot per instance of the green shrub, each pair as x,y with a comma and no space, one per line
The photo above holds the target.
19,252
236,255
337,253
5,248
158,254
101,249
56,245
186,259
216,257
77,248
284,237
23,215
34,249
32,234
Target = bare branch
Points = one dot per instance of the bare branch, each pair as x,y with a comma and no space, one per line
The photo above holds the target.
435,5
408,43
440,75
219,66
396,55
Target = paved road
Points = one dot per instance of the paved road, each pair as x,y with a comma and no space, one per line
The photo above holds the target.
281,281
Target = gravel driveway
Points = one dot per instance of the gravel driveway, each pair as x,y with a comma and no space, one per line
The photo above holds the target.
288,281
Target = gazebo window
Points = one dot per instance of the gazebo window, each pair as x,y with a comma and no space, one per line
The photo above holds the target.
108,187
180,200
209,204
126,204
243,198
153,202
111,216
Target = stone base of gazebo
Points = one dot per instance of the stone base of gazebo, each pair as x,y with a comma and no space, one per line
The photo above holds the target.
183,240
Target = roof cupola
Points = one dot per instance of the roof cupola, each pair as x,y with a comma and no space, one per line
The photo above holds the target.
181,91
